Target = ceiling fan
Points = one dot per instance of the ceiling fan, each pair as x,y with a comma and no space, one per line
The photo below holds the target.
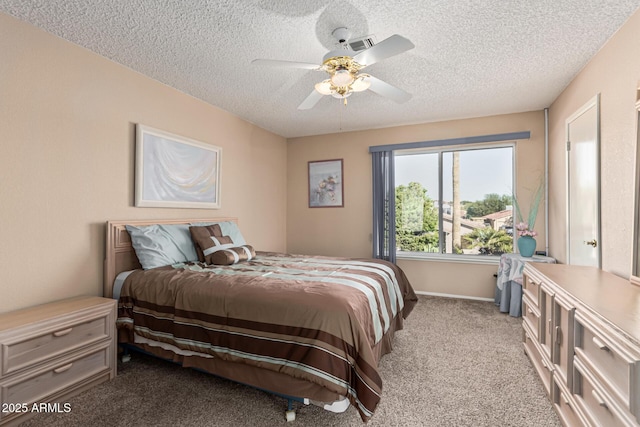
344,65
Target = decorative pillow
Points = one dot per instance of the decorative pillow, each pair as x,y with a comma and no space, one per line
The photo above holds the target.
231,255
204,232
218,249
160,245
226,228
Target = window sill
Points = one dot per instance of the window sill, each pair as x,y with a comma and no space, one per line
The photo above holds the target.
465,259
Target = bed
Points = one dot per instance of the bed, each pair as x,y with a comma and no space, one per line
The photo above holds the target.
309,328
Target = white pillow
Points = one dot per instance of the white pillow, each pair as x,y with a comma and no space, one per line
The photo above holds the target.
159,245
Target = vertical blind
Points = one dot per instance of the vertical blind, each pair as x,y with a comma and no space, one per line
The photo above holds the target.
384,212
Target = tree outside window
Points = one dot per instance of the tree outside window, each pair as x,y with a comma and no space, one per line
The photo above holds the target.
470,216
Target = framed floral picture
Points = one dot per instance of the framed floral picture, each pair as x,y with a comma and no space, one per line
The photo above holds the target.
173,171
326,187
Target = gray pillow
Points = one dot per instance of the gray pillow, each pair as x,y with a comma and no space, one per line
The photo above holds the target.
159,245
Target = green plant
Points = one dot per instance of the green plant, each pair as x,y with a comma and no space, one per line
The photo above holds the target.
489,241
533,210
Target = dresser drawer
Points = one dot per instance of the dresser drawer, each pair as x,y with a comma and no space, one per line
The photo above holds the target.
605,358
53,340
541,364
531,288
596,403
530,316
562,336
546,320
38,385
565,405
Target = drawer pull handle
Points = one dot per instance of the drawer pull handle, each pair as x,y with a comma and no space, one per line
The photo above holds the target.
566,401
599,399
550,330
558,335
62,332
61,369
600,344
529,310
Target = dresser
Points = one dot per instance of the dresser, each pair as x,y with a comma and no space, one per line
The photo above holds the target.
53,351
581,331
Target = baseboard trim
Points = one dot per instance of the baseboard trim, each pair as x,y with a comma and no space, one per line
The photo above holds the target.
437,294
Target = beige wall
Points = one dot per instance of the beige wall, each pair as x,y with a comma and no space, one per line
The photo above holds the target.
67,166
347,231
67,119
614,73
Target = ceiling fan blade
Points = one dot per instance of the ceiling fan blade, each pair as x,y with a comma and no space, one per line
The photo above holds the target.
387,90
388,47
286,64
311,100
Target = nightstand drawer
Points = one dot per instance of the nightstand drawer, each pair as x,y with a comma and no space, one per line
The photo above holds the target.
38,385
53,351
28,350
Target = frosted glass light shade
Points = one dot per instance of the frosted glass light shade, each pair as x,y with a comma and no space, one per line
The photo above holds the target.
342,78
361,83
324,87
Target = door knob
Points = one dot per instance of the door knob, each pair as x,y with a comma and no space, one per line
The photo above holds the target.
593,243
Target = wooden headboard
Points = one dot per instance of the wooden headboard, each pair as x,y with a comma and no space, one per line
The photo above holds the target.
119,254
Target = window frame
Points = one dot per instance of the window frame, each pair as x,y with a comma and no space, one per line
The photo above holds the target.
440,150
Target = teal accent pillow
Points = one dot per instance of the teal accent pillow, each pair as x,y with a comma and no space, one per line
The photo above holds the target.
159,245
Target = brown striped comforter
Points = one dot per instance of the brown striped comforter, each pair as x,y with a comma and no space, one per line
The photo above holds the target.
315,318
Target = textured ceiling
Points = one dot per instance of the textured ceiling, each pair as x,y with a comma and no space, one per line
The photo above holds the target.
472,58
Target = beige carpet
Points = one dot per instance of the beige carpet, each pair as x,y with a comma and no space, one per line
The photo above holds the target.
456,363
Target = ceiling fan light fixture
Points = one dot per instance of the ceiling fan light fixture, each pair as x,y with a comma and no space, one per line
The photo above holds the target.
343,64
342,77
342,95
361,83
324,87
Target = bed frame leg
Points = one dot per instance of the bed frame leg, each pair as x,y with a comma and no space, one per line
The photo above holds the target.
290,414
126,356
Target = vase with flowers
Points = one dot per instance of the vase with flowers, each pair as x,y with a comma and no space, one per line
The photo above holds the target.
526,239
526,233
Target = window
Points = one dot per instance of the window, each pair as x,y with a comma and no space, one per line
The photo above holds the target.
454,201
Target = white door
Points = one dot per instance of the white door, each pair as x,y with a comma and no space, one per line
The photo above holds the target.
583,185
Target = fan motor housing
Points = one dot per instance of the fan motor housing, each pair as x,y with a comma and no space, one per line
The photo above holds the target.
342,34
339,53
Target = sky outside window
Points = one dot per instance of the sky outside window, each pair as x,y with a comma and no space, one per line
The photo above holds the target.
482,171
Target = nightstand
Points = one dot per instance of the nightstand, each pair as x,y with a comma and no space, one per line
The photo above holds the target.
508,292
51,352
